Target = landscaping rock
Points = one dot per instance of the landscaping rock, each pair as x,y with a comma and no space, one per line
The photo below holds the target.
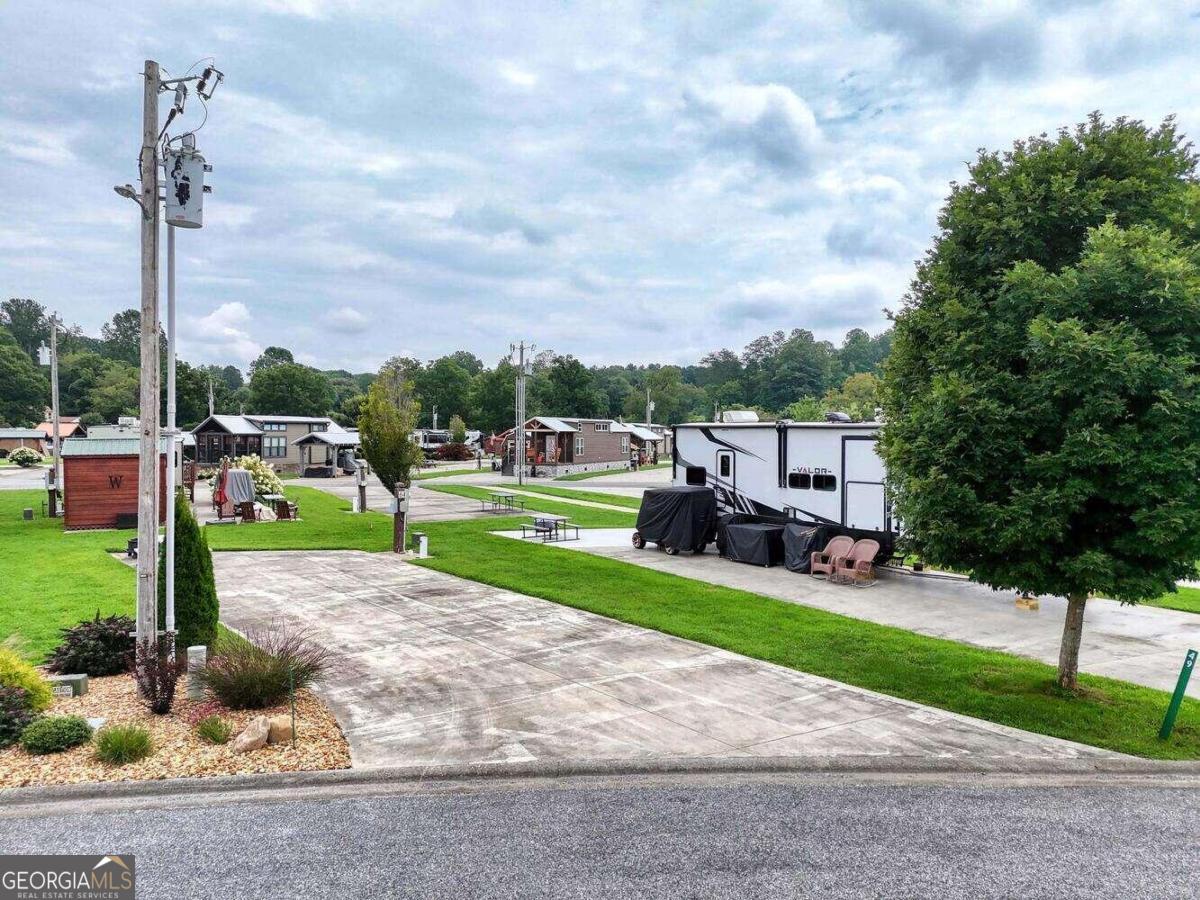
77,683
254,737
281,730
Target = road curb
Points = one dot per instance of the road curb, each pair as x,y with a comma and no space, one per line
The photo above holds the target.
483,773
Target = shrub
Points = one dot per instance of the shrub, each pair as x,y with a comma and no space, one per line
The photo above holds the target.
196,606
453,451
15,714
94,647
254,674
262,473
24,457
121,744
53,734
156,673
214,729
15,672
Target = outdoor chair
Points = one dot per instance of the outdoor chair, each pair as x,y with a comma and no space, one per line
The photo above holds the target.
249,512
823,560
856,567
225,510
285,510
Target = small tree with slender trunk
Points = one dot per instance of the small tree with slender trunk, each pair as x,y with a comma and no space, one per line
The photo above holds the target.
1042,397
386,422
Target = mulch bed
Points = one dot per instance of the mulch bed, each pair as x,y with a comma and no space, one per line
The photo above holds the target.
178,751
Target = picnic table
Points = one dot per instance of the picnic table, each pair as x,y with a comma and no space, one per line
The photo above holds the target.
502,501
550,527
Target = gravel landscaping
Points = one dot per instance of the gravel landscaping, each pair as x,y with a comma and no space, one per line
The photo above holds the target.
178,751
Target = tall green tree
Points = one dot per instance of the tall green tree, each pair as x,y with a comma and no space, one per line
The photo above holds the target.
1043,415
571,390
389,416
121,337
446,385
290,389
492,398
24,390
272,356
115,392
27,322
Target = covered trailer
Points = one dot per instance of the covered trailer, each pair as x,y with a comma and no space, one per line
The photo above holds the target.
820,473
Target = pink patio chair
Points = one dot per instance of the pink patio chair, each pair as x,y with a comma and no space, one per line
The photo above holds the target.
823,561
856,567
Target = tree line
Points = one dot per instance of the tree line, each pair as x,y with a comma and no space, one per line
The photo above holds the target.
786,374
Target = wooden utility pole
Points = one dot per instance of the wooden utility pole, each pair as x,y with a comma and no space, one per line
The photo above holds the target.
55,422
148,459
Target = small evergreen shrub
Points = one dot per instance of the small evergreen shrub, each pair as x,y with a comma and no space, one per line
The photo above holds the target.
15,672
214,729
118,745
95,647
15,714
24,457
156,673
53,734
253,674
197,608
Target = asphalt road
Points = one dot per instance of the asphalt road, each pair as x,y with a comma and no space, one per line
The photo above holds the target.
708,838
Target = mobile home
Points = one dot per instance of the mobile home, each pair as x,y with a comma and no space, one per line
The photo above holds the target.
827,473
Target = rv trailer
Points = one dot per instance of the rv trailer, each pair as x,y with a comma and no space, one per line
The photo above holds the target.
824,473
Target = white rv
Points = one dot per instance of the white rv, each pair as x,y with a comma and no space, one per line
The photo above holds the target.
826,473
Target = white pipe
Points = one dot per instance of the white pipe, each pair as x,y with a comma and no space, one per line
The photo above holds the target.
170,554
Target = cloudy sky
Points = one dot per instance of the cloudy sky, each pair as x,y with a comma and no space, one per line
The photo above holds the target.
620,181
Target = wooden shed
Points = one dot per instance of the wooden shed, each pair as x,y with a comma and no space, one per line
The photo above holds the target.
100,483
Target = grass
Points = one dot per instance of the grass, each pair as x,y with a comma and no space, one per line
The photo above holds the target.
326,523
51,580
443,473
973,681
581,476
587,496
586,516
1185,599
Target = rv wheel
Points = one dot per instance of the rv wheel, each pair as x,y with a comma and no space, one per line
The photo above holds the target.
638,541
671,551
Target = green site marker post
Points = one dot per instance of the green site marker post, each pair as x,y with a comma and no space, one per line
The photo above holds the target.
1189,663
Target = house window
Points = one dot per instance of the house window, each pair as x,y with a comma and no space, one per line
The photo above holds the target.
274,426
625,443
274,447
579,445
799,481
318,426
602,426
824,482
697,475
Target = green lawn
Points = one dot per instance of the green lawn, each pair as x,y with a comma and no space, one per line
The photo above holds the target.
589,496
443,473
50,580
1186,599
586,516
581,476
326,523
987,684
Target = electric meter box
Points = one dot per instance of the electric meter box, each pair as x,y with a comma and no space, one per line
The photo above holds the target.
185,188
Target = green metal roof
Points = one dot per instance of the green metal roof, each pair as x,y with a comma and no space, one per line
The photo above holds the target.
105,446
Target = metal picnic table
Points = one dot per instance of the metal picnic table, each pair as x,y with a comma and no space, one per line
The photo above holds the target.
549,527
502,501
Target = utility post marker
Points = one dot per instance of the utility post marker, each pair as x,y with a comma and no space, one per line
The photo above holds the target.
148,457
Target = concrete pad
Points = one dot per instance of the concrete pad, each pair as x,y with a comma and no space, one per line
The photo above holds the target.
424,505
1141,644
433,670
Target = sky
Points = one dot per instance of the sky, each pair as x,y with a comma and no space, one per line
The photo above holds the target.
620,181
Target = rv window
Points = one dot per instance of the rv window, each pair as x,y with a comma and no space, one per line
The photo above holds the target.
697,475
824,482
800,481
725,466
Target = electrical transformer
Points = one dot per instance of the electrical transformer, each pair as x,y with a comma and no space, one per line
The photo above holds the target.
185,188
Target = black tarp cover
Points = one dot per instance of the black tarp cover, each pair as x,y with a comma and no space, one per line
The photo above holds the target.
756,543
799,544
682,517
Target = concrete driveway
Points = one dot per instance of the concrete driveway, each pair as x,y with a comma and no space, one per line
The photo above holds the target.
424,506
1141,644
435,670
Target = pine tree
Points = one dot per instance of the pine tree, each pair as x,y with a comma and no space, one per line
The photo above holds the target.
196,606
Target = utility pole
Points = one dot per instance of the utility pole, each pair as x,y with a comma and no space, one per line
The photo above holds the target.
649,407
434,418
211,405
148,457
55,421
170,432
519,398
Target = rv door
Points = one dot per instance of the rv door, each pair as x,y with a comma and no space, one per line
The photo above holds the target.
864,502
725,472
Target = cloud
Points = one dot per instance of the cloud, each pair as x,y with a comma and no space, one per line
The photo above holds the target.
222,334
490,219
347,320
824,304
769,120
